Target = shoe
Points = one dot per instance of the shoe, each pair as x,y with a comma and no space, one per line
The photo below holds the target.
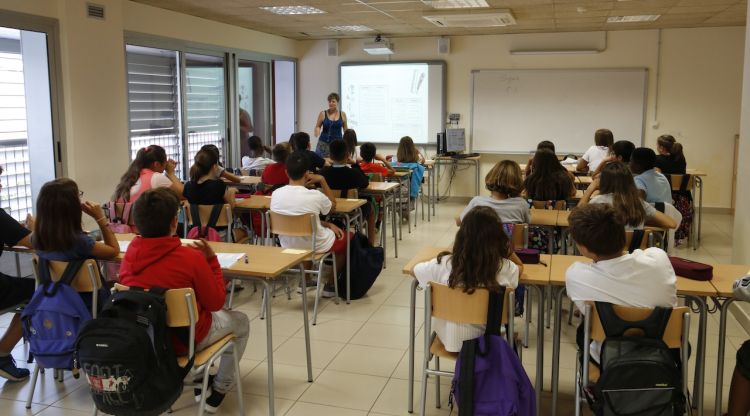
9,370
198,390
311,285
329,291
214,401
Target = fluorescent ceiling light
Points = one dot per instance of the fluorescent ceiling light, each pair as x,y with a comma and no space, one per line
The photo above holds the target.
456,4
293,10
349,28
633,19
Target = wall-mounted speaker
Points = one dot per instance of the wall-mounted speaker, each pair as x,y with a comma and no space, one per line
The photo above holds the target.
333,47
444,46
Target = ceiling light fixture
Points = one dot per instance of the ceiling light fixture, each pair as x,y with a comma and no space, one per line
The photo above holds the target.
456,4
349,28
291,10
633,19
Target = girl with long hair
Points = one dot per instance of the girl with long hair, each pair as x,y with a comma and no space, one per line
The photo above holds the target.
482,257
150,169
549,179
671,159
598,153
205,186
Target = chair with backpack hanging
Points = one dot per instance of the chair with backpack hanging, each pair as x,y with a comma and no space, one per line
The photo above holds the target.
639,373
479,308
118,214
56,314
135,324
203,220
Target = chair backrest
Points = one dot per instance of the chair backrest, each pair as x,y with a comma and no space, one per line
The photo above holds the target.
644,242
672,334
224,220
86,280
375,177
291,225
350,193
676,181
453,304
178,311
519,237
560,205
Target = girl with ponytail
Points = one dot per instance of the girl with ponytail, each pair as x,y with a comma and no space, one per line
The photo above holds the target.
670,160
150,169
206,186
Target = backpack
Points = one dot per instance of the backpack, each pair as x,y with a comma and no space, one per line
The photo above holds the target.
54,317
489,378
119,225
208,231
128,357
639,374
365,263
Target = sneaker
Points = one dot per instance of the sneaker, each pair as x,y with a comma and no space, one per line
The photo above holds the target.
198,390
214,401
9,370
311,285
329,291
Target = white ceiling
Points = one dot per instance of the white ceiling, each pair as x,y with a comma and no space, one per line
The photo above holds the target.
401,18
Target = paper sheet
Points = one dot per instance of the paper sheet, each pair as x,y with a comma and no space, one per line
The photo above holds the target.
292,251
123,246
226,260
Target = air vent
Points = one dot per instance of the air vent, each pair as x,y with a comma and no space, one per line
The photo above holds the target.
493,19
95,11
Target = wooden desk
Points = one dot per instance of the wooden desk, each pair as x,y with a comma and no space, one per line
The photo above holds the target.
534,275
695,234
446,160
562,218
385,190
544,217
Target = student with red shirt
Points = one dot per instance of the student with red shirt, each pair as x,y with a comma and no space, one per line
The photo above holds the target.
368,164
275,174
157,258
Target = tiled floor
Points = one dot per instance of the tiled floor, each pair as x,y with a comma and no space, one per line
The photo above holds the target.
359,350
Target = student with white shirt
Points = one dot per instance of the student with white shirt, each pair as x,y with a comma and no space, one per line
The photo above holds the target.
255,158
596,154
653,186
644,278
482,257
617,189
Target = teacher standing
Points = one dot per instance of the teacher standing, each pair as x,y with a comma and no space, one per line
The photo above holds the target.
330,125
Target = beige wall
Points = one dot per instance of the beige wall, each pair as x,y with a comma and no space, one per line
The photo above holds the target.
741,235
699,92
94,78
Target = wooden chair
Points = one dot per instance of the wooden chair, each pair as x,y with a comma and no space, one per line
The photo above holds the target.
305,225
520,236
676,335
560,205
453,304
182,311
226,219
87,280
681,182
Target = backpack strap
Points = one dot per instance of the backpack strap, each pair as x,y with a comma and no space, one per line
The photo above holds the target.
466,379
45,278
614,326
213,218
494,311
195,215
636,241
684,183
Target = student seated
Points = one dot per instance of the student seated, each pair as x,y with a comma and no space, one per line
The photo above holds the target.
482,257
544,144
205,186
157,258
505,185
643,279
621,152
549,181
275,174
225,174
352,150
618,190
297,199
596,154
671,160
368,164
255,158
300,142
150,169
13,291
408,156
653,186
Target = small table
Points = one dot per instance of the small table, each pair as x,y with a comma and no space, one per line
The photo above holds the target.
429,172
447,160
383,189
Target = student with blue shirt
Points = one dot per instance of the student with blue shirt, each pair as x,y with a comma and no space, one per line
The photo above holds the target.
654,186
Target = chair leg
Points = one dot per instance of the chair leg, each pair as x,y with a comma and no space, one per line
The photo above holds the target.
527,318
423,400
204,391
437,383
263,301
335,280
577,397
317,293
33,386
571,309
96,410
231,295
287,289
238,380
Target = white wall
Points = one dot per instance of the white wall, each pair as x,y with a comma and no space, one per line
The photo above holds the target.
699,92
741,235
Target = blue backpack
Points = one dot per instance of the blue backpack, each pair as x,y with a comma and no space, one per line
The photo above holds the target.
489,378
54,317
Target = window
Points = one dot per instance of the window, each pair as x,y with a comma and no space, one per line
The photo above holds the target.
206,114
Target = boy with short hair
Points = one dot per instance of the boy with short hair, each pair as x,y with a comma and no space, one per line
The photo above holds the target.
368,153
157,258
654,186
275,174
644,278
300,142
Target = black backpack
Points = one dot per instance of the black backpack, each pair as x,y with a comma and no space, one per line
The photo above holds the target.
639,374
366,263
128,356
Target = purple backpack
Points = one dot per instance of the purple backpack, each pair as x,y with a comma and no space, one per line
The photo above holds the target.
54,317
489,379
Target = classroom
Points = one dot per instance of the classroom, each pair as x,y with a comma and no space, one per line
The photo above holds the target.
85,86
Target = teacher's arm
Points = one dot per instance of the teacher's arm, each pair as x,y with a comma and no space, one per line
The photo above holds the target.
318,124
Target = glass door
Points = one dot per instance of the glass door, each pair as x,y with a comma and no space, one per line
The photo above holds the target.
284,100
254,102
205,104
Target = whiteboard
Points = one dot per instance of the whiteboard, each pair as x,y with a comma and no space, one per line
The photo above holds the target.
513,110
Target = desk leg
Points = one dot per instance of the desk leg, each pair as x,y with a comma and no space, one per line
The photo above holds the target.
408,207
348,257
720,362
401,214
556,347
269,343
412,331
305,319
384,226
539,384
262,227
395,225
699,181
700,354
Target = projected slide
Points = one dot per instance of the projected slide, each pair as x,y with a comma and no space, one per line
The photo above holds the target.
387,101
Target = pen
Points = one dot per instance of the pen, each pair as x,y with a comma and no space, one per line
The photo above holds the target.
247,260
